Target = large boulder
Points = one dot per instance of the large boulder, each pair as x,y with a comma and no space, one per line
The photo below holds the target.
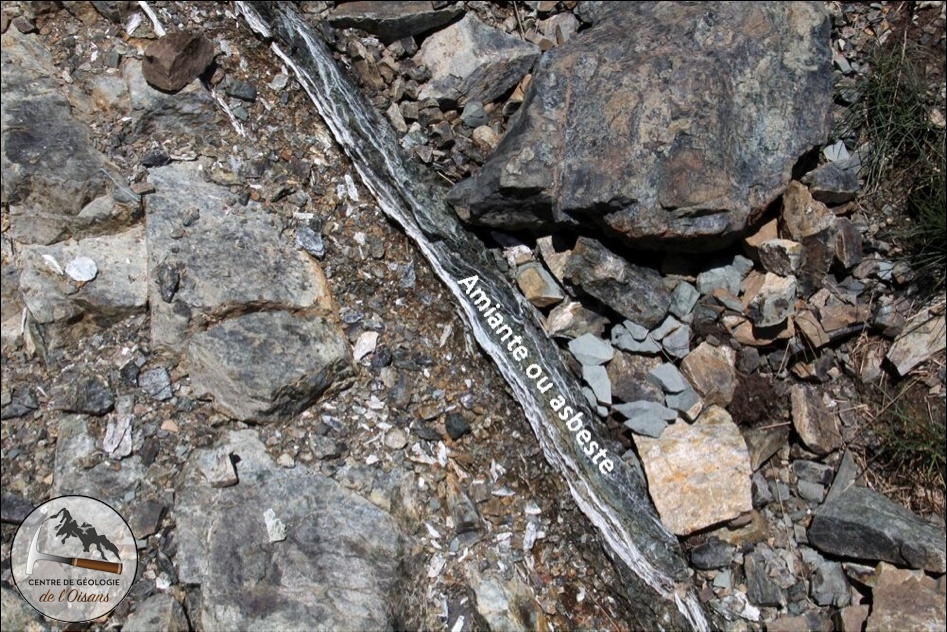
50,168
668,124
284,549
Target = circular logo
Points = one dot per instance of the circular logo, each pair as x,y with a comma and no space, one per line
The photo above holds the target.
74,558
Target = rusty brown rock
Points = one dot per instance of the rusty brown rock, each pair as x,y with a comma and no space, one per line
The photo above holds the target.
176,59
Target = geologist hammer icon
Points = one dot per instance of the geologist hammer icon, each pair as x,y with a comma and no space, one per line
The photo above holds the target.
36,555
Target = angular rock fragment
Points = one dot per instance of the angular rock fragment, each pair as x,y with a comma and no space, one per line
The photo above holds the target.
591,350
816,424
175,60
597,379
392,21
863,524
834,182
848,243
646,418
906,601
639,294
698,474
571,320
774,302
470,61
669,378
924,335
711,371
683,299
810,223
688,402
781,256
538,286
628,374
764,572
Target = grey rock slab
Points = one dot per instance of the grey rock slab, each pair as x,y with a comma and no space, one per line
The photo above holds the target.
651,178
597,379
176,59
64,312
725,277
677,344
646,418
160,611
813,471
698,474
924,335
667,326
846,476
688,402
828,585
646,425
646,408
683,299
473,115
763,587
636,331
625,341
337,567
470,61
808,490
268,365
668,377
50,168
714,553
834,182
392,21
591,350
742,265
637,293
229,260
762,495
863,524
